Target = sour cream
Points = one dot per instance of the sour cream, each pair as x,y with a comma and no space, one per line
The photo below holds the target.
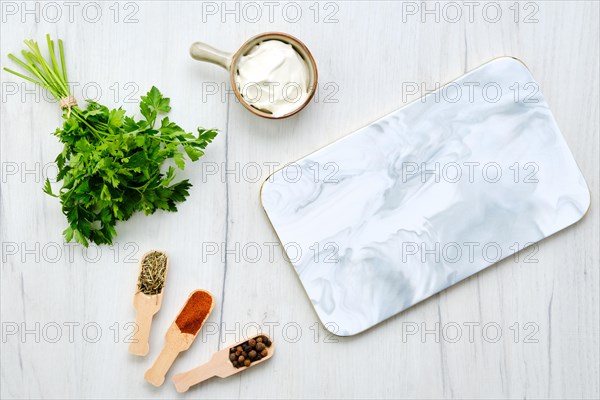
273,78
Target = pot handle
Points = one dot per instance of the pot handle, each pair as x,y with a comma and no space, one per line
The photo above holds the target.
203,52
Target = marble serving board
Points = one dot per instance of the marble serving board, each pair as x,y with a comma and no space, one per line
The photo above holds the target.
426,196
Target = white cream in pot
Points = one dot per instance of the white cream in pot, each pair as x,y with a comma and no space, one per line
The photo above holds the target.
273,77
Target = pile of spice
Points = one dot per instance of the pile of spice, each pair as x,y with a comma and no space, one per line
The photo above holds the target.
252,350
153,273
192,316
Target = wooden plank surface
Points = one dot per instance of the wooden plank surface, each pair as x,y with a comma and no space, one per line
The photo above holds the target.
524,328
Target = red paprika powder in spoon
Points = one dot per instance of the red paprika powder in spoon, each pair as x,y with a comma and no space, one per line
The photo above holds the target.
181,334
195,311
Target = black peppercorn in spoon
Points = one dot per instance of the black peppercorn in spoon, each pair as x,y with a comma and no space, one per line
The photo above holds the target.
223,366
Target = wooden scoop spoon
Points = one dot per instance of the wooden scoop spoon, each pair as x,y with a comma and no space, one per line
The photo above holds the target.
219,365
148,298
181,334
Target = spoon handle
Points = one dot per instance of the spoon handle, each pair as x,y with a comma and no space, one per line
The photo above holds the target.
184,380
203,52
139,345
156,374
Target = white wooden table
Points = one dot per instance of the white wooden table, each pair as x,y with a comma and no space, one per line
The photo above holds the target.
519,329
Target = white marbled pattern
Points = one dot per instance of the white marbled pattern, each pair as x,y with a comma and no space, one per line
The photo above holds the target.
373,228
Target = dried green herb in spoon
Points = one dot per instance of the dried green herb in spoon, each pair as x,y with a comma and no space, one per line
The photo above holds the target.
112,165
153,272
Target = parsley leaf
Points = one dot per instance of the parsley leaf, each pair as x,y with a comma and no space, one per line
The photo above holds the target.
111,165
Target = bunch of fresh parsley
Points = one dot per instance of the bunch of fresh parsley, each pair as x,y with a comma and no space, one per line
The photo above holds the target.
112,165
